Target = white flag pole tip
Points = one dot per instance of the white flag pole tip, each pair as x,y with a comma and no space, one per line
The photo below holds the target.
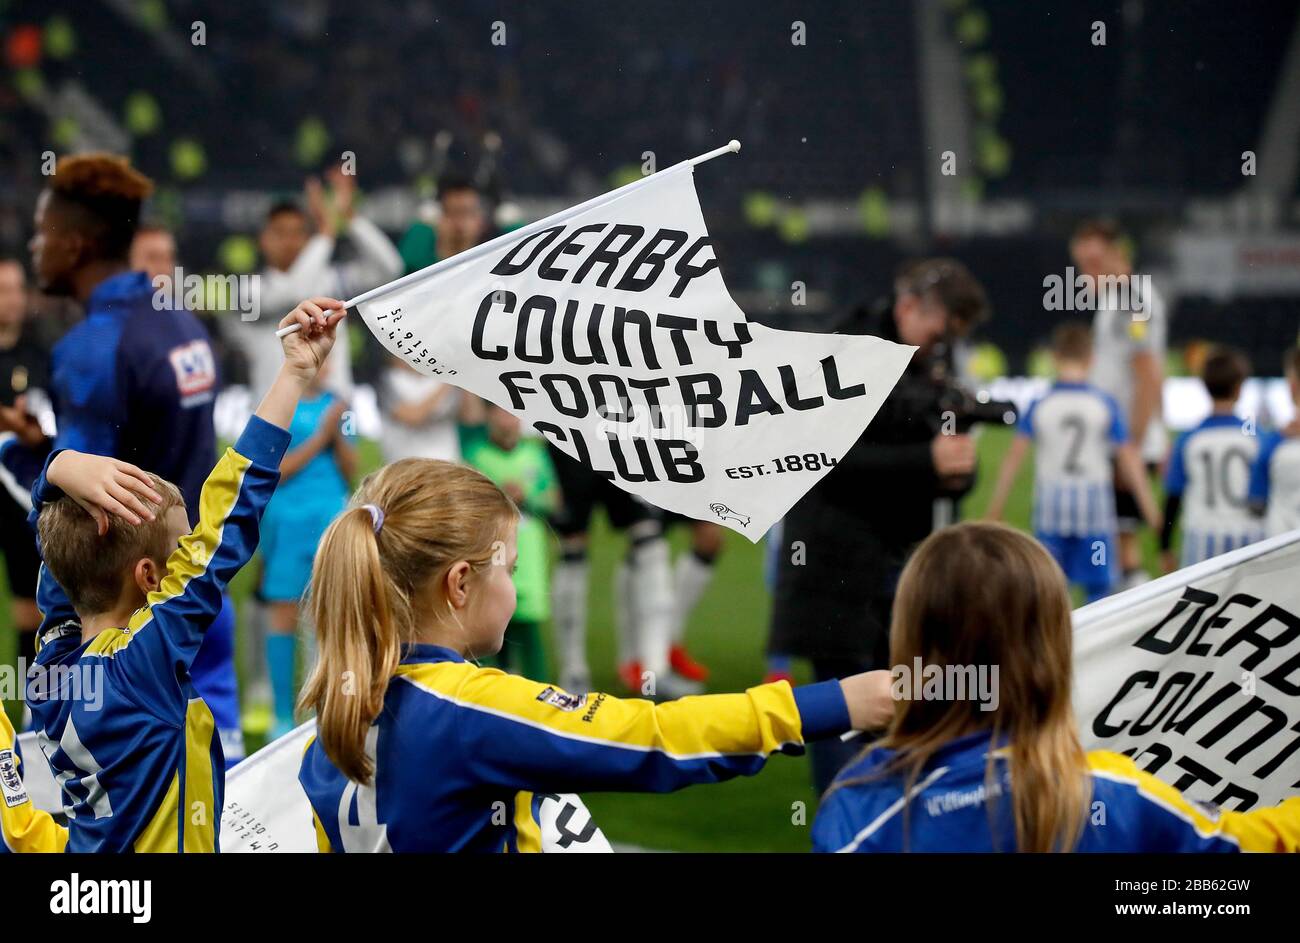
731,147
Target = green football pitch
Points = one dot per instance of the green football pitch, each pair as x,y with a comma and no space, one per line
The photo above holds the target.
771,811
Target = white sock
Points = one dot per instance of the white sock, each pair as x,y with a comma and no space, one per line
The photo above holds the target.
569,613
690,579
652,602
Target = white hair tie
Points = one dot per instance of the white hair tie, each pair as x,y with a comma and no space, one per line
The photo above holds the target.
376,516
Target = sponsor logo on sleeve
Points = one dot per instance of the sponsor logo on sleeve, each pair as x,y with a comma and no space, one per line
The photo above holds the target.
11,784
562,699
196,371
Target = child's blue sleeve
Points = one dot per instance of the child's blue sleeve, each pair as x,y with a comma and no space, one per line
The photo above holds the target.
165,634
529,735
51,601
1176,475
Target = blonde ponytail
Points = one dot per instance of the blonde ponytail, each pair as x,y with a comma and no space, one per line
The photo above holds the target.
407,523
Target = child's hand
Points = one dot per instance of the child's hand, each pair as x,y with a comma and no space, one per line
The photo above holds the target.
306,350
104,486
870,699
1167,561
515,491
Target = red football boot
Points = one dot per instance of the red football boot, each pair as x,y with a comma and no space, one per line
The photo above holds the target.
685,665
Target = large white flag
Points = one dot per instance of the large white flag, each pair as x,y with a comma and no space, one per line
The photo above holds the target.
608,328
1196,675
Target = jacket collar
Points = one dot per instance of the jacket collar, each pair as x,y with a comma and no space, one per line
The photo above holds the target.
422,653
119,291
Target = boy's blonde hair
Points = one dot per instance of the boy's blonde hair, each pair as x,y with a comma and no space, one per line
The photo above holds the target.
370,573
90,568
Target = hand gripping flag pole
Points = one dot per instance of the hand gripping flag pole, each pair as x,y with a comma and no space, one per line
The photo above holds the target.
731,147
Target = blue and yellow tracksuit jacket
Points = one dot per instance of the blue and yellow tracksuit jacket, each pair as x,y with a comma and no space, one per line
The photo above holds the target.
130,742
460,752
948,809
23,828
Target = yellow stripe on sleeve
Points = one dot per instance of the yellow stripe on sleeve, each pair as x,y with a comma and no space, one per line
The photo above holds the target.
191,559
1273,829
23,827
760,721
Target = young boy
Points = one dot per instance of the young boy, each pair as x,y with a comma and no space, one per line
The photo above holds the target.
1275,476
524,471
314,484
1074,427
126,599
1209,471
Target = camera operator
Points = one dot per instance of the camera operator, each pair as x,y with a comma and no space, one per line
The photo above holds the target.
845,542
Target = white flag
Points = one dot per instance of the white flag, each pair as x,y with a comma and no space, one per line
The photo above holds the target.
1197,676
608,328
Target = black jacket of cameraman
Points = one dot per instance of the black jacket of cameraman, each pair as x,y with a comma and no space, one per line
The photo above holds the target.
845,542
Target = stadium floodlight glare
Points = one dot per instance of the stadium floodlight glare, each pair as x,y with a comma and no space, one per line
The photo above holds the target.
731,147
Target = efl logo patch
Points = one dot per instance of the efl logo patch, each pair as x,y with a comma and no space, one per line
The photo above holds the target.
558,698
196,370
11,784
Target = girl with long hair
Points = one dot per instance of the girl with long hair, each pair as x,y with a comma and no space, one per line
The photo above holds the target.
421,749
983,752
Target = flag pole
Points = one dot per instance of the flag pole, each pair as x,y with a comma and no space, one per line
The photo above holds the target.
731,147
